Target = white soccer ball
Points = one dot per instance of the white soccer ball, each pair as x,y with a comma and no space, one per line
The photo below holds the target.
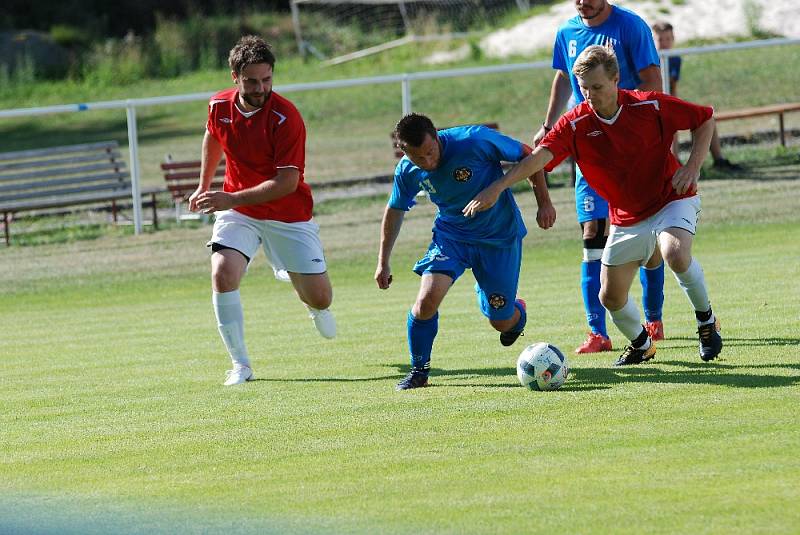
542,366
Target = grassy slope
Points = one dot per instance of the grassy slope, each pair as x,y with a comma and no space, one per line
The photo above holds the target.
114,417
367,114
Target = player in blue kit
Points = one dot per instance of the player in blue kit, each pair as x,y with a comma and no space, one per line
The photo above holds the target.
452,166
600,23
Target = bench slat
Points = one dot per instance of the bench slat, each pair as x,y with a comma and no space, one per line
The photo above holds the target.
168,166
64,171
62,193
61,161
43,186
60,202
35,153
190,175
754,112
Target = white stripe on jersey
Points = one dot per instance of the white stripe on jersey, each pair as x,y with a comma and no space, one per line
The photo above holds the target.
653,102
575,121
283,117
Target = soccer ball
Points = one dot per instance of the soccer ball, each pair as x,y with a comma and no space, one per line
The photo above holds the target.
542,366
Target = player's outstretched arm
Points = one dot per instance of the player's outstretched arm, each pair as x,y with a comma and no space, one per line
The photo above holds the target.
211,156
531,164
685,179
390,229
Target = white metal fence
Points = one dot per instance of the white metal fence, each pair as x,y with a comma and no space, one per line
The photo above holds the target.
405,80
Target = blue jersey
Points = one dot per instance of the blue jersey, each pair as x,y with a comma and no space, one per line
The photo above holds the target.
470,161
630,35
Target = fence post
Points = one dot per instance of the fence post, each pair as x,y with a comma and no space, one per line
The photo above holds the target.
133,147
664,72
406,85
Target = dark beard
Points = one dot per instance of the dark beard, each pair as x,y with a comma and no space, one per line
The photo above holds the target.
254,103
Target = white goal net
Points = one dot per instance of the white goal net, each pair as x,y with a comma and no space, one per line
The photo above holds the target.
337,30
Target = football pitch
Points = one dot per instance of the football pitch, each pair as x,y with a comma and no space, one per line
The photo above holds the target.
114,418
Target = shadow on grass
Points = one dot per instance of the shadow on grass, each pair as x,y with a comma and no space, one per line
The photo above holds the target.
585,378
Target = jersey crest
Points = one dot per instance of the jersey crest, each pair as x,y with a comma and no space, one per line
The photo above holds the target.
462,174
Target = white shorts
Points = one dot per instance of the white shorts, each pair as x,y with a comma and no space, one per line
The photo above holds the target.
293,247
637,243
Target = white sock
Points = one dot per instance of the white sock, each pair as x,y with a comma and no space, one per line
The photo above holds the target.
693,283
230,322
627,319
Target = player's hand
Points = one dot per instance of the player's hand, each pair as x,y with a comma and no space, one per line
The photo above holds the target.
539,136
383,276
546,216
685,180
214,201
193,199
482,201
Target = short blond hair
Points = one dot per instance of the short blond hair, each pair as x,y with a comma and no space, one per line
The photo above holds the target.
595,56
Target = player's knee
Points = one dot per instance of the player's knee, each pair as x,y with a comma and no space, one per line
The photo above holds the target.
424,309
224,280
611,301
594,234
321,298
677,260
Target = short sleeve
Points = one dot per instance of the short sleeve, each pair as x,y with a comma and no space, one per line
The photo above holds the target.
559,141
559,51
403,193
210,128
641,46
290,142
677,114
499,147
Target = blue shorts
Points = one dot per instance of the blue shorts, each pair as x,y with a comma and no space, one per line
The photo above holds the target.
588,204
496,271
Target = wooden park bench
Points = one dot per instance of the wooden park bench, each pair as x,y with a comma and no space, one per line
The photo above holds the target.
775,109
182,178
58,177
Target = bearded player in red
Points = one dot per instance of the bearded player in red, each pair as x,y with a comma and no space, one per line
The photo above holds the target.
264,203
622,141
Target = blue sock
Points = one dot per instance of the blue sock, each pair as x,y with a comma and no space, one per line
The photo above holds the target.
652,292
590,285
523,318
420,340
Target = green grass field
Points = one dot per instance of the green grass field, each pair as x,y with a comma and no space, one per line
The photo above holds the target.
114,418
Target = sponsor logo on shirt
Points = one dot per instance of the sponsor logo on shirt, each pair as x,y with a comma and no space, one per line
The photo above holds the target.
497,301
462,174
225,120
317,260
595,133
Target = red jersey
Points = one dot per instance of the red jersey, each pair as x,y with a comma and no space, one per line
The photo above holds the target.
256,145
627,159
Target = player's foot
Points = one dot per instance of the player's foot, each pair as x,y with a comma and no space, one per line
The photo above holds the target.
595,343
238,375
509,337
723,164
323,321
710,341
631,355
655,329
414,379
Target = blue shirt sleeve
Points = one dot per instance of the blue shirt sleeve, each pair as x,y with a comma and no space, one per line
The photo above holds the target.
499,147
404,188
560,53
641,46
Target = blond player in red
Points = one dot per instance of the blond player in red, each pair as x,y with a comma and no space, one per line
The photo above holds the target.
264,203
622,141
